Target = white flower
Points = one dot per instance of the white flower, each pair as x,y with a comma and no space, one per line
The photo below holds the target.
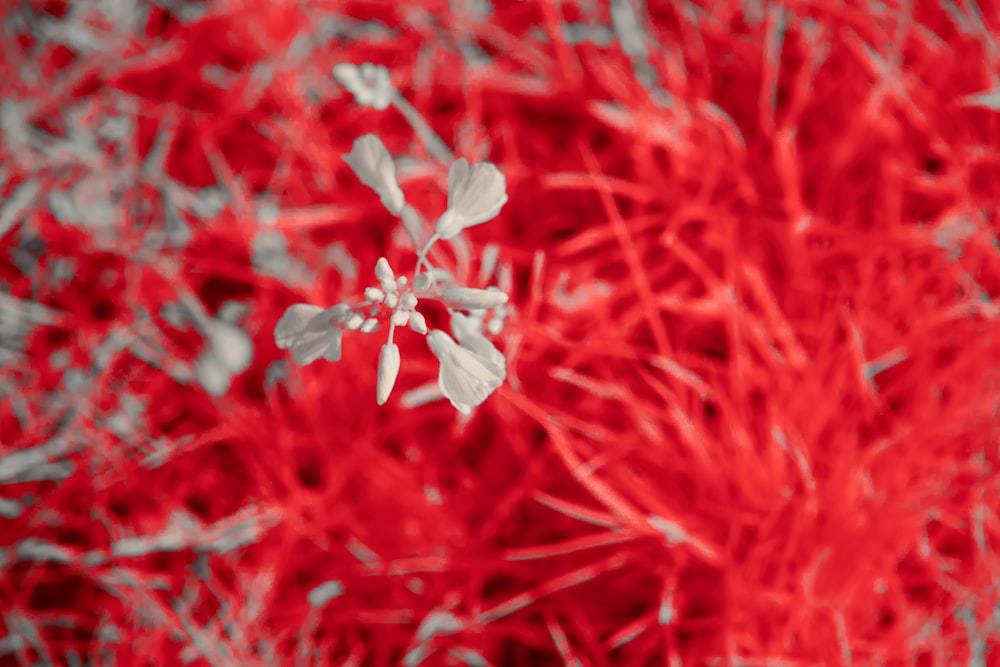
475,195
371,161
474,299
369,84
388,370
307,330
470,372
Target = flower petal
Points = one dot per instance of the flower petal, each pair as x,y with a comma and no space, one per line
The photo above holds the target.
475,194
458,177
464,327
465,379
371,161
293,323
489,355
449,225
463,387
312,345
336,347
339,313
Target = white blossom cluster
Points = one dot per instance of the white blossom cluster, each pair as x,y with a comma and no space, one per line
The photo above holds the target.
471,367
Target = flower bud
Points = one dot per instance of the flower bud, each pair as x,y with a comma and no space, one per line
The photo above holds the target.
374,167
418,323
388,371
474,299
385,275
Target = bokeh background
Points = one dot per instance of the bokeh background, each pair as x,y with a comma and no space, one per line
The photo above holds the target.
753,407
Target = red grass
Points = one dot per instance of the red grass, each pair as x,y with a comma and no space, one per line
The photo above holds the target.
752,413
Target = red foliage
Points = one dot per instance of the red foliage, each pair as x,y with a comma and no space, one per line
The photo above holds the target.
752,414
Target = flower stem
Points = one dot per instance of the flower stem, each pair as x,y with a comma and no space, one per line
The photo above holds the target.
422,255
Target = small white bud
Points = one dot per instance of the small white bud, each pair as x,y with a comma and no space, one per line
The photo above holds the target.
400,318
388,371
422,282
383,269
369,325
401,282
374,294
418,323
474,299
385,275
354,322
391,300
408,301
495,326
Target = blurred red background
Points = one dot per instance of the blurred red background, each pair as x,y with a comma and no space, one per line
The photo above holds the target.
754,364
